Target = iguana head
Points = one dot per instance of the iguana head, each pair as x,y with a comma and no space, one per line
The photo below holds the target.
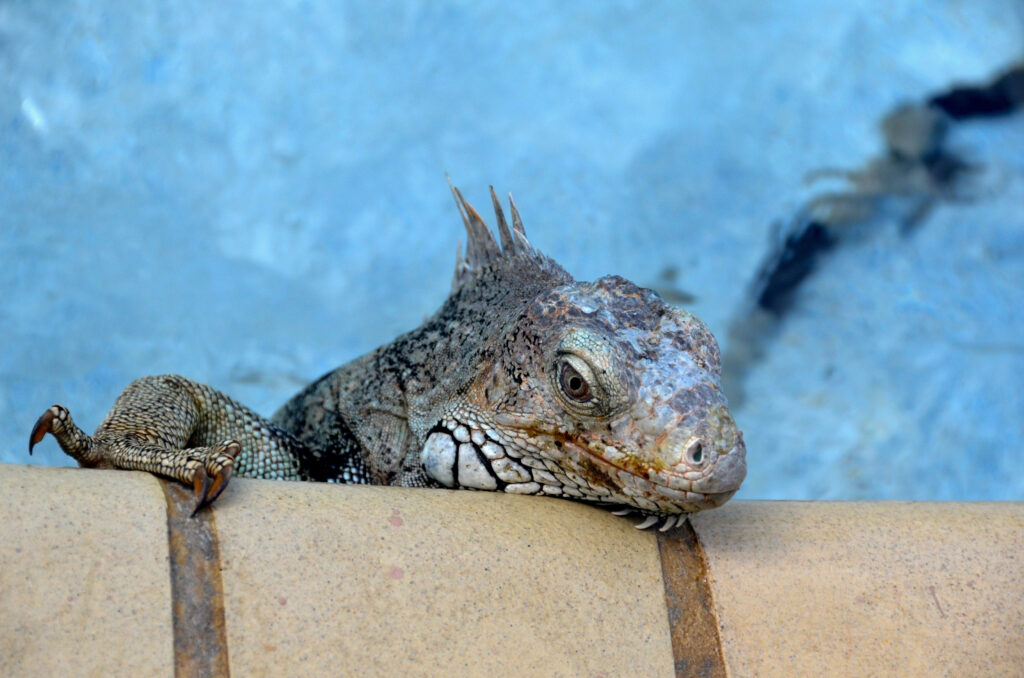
595,391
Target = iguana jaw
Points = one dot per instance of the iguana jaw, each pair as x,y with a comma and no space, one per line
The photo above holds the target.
643,482
671,490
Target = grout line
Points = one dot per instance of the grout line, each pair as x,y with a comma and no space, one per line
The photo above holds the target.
197,592
693,624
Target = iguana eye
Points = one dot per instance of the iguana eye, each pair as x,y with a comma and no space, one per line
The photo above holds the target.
573,384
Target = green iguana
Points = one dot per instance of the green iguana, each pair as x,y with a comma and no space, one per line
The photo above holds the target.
525,381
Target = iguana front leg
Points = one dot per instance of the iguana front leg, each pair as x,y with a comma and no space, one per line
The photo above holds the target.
178,428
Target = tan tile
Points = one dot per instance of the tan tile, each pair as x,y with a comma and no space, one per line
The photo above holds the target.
890,588
84,580
328,580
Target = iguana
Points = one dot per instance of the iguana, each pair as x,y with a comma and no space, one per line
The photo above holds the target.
525,381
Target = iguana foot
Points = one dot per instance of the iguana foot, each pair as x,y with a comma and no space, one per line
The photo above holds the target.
206,469
181,429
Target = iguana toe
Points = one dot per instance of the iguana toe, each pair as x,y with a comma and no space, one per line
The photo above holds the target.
44,425
74,441
220,468
211,478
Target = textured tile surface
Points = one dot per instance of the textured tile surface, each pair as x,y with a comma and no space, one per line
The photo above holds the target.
84,583
868,588
386,581
324,580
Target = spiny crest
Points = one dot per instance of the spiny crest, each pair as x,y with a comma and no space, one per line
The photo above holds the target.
515,257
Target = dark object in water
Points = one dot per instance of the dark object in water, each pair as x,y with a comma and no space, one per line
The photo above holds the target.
1000,97
916,171
791,265
917,167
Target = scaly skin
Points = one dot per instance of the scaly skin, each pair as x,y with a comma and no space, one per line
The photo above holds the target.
525,381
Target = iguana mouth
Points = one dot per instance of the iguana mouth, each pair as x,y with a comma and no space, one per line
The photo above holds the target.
650,490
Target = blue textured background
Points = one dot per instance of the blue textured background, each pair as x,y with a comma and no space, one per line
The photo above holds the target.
251,195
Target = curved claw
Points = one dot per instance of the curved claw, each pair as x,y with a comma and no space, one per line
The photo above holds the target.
42,427
209,482
201,488
220,482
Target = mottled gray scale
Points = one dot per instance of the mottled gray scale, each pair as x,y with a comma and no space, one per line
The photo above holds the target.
439,456
514,452
533,463
524,488
509,471
544,477
492,450
472,472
